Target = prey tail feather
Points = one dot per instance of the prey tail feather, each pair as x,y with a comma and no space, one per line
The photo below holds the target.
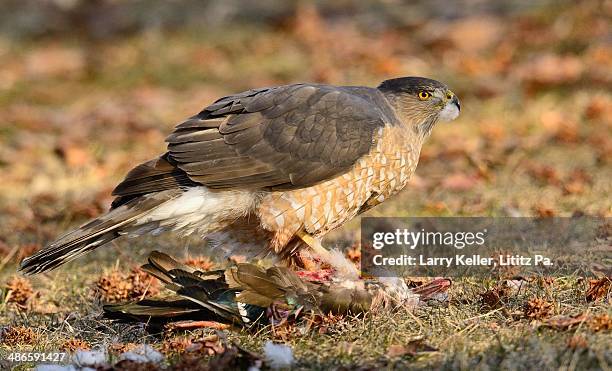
93,234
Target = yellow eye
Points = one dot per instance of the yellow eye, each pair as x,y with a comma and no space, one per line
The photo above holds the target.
449,95
423,95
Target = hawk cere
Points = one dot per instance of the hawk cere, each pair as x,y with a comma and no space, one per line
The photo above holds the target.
272,170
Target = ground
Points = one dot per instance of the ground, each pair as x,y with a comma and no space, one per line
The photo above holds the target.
533,139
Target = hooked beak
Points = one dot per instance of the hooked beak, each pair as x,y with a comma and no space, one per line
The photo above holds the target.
451,109
455,101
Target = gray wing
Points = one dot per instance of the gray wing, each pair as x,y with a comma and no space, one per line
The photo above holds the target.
277,138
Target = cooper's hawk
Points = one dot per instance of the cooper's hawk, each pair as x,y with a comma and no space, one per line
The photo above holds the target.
272,169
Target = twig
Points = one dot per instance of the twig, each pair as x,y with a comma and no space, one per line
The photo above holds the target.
9,256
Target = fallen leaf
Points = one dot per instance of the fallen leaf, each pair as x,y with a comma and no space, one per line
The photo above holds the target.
495,297
577,342
600,322
19,291
537,308
564,322
117,286
599,288
411,348
201,262
459,182
190,325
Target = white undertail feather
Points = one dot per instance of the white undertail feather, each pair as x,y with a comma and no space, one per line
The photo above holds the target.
198,210
225,244
195,210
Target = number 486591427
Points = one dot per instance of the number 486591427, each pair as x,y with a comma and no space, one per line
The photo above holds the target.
36,357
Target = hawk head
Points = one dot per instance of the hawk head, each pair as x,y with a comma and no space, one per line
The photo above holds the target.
421,101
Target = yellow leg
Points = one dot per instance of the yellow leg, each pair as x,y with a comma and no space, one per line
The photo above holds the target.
315,245
336,259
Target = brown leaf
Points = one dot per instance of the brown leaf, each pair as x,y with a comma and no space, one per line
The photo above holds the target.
577,342
564,322
118,348
431,290
475,33
116,286
19,291
545,174
550,69
599,288
411,348
568,132
577,181
537,308
459,182
495,297
54,61
600,322
18,335
207,346
190,325
73,344
543,211
73,155
396,350
201,262
600,107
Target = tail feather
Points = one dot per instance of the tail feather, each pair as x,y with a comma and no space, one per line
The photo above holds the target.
206,289
93,234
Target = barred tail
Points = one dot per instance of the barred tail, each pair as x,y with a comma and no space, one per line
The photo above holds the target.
95,233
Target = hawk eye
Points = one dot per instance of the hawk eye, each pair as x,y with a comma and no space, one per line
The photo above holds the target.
423,95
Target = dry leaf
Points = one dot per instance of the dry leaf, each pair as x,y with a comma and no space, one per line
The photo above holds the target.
190,325
116,286
600,322
564,322
537,308
495,297
18,335
459,182
73,344
599,288
411,348
19,291
201,262
577,342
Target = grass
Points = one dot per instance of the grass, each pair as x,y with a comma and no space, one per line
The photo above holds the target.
75,118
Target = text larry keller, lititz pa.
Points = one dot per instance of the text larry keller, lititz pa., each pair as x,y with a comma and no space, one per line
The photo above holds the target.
461,260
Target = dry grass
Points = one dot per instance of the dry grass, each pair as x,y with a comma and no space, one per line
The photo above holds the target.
534,138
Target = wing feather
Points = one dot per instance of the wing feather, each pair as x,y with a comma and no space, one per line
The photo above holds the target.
277,138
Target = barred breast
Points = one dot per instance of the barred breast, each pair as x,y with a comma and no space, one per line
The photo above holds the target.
323,207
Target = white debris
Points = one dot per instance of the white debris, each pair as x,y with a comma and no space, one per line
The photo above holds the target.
54,368
85,358
142,354
344,267
278,355
516,285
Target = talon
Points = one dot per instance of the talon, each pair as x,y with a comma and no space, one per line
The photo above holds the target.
315,245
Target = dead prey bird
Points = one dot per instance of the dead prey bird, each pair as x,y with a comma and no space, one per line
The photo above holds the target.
271,170
245,294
